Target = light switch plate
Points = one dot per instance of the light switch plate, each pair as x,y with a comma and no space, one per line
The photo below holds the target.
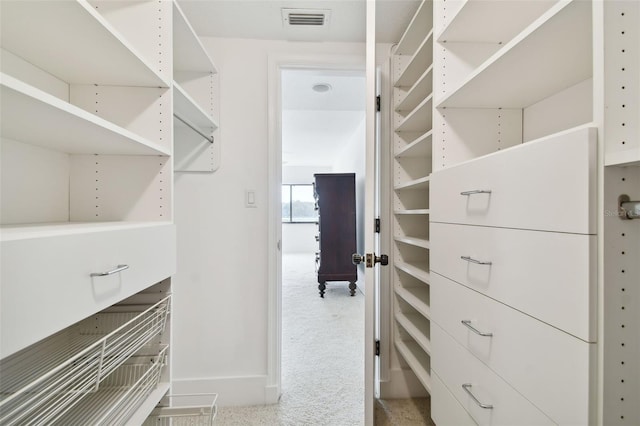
250,198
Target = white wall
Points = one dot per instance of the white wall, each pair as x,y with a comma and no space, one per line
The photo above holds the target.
221,289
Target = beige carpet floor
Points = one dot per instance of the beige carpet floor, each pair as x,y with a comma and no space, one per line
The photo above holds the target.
322,360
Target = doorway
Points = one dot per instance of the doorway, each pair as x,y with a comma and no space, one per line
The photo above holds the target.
322,118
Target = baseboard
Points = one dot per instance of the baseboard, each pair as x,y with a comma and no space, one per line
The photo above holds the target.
232,391
402,384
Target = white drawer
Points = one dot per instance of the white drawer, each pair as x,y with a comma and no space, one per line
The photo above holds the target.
445,409
547,366
548,275
457,367
46,282
548,184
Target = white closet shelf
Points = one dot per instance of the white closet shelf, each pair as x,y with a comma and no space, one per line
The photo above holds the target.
416,270
188,52
419,91
418,242
417,360
36,117
419,119
421,147
550,55
88,50
414,324
414,184
185,107
420,61
418,297
417,212
500,20
623,158
44,230
417,29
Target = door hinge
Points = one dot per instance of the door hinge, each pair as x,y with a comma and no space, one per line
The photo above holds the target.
377,225
377,347
378,103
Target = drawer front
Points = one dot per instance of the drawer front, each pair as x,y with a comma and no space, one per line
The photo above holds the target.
550,276
457,367
525,352
546,185
46,282
445,409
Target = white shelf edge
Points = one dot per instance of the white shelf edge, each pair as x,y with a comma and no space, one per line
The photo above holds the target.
399,108
412,25
425,138
191,111
422,182
414,301
207,63
60,229
427,103
409,69
417,242
630,158
421,373
412,212
446,101
73,112
415,271
414,331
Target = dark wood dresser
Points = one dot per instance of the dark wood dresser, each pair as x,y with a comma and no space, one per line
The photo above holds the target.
336,202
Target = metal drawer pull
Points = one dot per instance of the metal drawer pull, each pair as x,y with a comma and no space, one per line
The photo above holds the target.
466,387
119,268
476,191
479,262
475,330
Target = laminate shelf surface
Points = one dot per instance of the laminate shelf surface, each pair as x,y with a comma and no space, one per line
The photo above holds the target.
550,55
419,62
188,52
418,92
414,184
419,119
623,158
32,30
417,359
421,147
501,20
44,230
417,29
36,117
185,107
418,242
417,297
414,324
416,270
421,212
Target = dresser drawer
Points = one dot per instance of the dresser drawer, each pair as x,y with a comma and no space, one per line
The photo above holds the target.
548,184
550,276
525,352
47,284
503,405
445,409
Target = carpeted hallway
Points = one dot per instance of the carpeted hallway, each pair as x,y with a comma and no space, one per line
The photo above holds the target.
322,359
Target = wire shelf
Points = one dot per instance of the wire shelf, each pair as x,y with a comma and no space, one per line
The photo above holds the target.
41,383
185,410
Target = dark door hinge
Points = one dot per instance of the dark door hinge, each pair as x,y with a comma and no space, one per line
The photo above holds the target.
378,103
377,225
377,347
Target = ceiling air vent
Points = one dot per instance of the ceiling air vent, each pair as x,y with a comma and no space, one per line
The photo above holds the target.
305,17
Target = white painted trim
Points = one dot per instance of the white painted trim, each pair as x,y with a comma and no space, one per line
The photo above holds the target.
278,62
232,391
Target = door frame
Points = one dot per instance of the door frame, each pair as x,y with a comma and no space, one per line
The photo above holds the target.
277,63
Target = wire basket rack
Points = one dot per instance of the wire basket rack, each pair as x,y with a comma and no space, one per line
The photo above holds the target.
41,383
185,410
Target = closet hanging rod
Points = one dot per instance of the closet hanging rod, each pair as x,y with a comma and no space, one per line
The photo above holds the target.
192,127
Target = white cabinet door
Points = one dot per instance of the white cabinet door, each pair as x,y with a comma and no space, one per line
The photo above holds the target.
548,184
445,409
525,352
487,397
550,276
47,283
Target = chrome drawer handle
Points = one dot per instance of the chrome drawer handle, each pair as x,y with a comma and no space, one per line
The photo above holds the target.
476,191
479,262
119,268
475,330
466,387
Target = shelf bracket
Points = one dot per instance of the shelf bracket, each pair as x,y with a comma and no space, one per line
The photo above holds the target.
194,128
628,209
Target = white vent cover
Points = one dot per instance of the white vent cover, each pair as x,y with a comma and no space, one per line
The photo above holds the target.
301,18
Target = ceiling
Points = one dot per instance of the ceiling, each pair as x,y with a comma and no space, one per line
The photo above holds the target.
315,126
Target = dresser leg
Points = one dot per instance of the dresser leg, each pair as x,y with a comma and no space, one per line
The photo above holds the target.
352,287
321,287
